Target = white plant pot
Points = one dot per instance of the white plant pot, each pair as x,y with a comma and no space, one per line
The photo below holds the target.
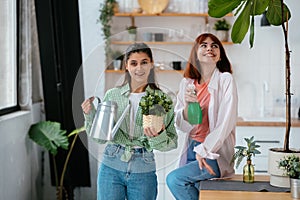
131,37
222,35
277,175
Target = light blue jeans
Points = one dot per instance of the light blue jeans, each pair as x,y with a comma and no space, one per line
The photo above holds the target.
133,180
184,181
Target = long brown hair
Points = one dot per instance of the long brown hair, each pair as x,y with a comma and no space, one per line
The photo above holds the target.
140,48
193,66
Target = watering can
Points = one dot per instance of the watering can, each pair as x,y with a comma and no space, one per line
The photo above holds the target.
104,126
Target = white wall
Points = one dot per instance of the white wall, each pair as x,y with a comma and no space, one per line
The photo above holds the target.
19,157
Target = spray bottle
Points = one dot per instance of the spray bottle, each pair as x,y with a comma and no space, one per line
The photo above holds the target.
194,110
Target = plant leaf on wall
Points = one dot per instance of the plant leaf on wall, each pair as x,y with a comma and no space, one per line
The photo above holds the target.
49,135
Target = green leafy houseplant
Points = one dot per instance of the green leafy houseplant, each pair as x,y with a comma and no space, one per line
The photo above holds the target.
48,135
107,11
222,25
248,151
291,165
132,29
277,14
155,103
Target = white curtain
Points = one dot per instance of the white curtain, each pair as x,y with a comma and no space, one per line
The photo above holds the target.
30,84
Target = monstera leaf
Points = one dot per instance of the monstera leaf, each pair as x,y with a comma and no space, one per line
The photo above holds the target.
49,135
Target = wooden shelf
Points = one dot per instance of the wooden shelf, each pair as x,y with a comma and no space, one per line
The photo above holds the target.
162,43
163,15
156,70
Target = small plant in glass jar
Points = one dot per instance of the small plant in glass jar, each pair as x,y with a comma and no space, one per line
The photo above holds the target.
241,153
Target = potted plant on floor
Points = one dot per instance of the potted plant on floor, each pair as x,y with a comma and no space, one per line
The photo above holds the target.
291,165
222,28
277,14
48,135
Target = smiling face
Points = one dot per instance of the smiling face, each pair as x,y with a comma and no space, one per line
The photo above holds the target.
208,52
139,65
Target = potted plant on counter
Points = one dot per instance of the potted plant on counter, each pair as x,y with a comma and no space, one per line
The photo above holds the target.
222,28
291,166
278,14
241,153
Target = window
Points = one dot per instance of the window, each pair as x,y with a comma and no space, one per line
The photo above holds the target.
8,56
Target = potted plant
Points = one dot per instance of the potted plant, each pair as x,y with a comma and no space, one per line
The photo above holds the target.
117,58
132,31
155,104
277,14
248,151
222,27
48,135
291,166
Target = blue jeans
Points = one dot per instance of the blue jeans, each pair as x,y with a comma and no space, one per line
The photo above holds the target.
133,180
184,181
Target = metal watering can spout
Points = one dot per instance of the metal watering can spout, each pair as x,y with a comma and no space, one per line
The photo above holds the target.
104,126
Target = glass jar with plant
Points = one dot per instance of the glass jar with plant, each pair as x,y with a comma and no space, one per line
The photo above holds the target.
155,104
222,27
241,153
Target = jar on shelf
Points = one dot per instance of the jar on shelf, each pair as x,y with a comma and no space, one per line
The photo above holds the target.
248,172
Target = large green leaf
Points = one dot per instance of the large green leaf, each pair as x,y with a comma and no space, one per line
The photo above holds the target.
49,135
259,6
241,25
219,8
274,13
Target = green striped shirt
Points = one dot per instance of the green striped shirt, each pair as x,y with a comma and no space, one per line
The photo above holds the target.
165,141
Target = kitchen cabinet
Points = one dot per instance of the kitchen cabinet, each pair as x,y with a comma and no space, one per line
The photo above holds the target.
267,137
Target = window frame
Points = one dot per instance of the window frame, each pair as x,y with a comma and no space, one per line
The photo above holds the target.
16,107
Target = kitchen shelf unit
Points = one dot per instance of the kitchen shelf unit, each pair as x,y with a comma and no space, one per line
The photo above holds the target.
133,15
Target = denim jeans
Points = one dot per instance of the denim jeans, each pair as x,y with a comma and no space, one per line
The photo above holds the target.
133,180
184,181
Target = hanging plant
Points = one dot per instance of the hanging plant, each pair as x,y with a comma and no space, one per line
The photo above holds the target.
107,11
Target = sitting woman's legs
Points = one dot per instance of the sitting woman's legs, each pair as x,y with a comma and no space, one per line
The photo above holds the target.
184,181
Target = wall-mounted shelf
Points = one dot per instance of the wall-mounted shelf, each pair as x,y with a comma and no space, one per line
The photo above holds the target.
162,43
163,15
156,70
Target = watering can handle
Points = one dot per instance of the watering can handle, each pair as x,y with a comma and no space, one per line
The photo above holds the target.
99,100
117,125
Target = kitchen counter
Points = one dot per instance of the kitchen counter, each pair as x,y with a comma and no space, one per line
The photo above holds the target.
245,195
260,122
